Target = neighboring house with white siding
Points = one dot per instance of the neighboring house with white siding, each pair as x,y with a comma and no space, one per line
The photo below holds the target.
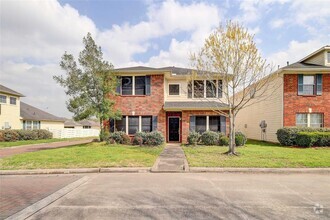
302,98
83,124
15,114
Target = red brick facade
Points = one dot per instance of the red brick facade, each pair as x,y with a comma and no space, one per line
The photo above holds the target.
293,104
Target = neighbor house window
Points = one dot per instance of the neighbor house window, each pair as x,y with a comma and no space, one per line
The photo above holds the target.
140,85
328,57
13,100
133,124
36,125
31,125
174,89
200,124
3,99
87,127
121,124
127,85
205,89
146,123
310,84
309,120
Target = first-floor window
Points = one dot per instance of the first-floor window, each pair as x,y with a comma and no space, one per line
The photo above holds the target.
87,127
214,123
200,124
133,124
121,124
36,125
309,120
31,125
146,123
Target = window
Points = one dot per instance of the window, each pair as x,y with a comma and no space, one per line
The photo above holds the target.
127,85
146,123
301,120
121,124
211,91
31,125
214,123
140,85
328,57
87,127
28,125
199,89
310,84
174,89
13,100
189,89
133,124
36,124
314,120
200,124
3,99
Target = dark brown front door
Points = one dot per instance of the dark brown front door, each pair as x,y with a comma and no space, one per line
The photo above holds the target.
174,129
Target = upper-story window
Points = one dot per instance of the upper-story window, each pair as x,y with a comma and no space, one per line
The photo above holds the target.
134,85
328,57
174,89
310,84
205,89
13,100
3,99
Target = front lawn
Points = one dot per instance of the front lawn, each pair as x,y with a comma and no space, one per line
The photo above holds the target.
83,156
258,154
42,141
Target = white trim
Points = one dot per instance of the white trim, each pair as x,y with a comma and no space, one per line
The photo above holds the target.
140,123
174,84
126,124
208,122
168,128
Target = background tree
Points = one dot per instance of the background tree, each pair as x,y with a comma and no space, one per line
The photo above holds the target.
230,54
89,85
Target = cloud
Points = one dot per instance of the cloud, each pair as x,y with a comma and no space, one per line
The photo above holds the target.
276,23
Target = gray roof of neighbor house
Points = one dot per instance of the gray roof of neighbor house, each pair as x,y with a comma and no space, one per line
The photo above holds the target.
71,123
86,122
304,66
195,105
6,90
28,112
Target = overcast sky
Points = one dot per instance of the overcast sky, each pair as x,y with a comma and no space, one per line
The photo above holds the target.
35,34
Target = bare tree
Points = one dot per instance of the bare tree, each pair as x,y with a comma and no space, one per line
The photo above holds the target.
230,54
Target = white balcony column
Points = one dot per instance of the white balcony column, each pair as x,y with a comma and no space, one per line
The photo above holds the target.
207,123
126,124
140,123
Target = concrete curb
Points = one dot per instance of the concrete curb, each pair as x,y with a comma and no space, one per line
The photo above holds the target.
30,210
77,171
259,170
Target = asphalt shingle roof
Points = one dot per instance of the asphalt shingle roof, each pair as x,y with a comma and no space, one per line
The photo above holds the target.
304,66
173,69
6,90
29,112
194,104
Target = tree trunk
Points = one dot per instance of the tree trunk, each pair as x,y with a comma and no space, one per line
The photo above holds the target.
101,130
232,145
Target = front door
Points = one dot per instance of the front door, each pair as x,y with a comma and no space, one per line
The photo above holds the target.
173,128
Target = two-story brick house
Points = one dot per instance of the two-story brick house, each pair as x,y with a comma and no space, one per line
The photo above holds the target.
164,99
302,99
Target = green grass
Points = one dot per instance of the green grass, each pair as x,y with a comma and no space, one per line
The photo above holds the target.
83,156
258,154
20,143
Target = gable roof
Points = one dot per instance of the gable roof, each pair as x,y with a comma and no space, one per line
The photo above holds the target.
314,53
29,112
6,90
301,65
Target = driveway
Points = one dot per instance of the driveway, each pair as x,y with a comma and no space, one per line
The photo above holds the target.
194,196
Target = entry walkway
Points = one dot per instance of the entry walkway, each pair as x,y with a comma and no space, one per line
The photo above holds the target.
172,159
6,152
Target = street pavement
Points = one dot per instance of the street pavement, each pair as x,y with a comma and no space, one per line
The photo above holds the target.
192,196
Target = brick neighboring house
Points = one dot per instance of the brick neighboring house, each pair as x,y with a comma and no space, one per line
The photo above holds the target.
164,99
302,99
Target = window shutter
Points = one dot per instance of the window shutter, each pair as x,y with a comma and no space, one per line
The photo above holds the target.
300,84
192,124
148,87
319,84
223,124
118,89
112,125
220,89
24,125
189,89
154,123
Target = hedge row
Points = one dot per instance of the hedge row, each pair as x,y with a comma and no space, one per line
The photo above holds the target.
154,138
309,139
20,135
287,136
214,138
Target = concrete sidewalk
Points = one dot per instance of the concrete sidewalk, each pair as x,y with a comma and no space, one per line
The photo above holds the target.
6,152
172,159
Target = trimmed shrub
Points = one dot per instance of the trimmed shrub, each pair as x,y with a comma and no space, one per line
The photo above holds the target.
119,137
10,135
223,141
240,138
154,138
309,139
1,136
287,136
140,138
210,138
104,135
43,134
27,134
193,138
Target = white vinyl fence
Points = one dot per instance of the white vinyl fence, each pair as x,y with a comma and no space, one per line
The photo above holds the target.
72,133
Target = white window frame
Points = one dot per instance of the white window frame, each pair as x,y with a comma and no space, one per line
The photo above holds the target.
174,84
133,86
140,122
5,99
309,118
204,81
